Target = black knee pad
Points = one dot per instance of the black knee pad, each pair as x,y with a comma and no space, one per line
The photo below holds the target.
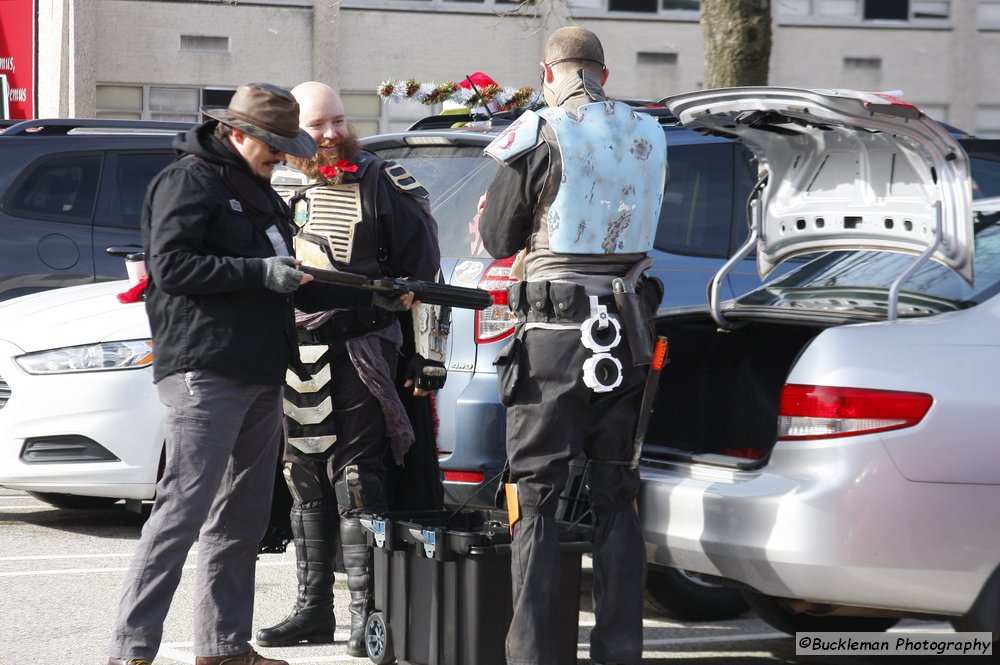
359,490
305,486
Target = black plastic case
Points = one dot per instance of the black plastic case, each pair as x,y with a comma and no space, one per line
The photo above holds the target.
443,589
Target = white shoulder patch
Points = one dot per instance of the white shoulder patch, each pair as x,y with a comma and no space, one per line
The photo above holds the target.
517,139
402,180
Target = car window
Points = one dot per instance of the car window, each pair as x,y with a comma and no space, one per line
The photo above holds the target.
132,175
985,178
697,210
455,176
61,188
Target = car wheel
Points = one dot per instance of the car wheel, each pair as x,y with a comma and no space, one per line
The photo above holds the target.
680,595
778,616
74,501
378,640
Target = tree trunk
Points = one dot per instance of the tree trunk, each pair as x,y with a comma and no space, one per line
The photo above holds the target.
737,37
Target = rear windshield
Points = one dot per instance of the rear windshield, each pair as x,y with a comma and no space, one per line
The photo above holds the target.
455,176
841,271
697,217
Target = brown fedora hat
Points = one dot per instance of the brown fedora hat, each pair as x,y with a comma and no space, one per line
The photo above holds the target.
268,113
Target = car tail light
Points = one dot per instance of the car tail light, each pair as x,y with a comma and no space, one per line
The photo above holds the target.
824,412
464,476
496,321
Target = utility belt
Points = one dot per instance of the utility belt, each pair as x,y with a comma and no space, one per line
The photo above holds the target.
552,302
565,302
347,324
628,311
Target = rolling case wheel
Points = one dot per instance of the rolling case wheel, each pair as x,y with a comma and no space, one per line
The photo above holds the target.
378,640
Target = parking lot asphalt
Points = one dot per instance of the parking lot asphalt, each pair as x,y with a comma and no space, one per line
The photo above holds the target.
60,573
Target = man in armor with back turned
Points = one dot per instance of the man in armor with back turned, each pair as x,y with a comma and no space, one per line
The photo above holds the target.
359,214
578,196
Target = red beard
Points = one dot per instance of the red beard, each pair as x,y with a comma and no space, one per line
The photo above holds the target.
346,148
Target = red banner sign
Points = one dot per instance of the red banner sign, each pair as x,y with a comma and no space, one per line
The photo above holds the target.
17,57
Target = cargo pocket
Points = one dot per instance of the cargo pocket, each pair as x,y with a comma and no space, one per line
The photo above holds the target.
507,363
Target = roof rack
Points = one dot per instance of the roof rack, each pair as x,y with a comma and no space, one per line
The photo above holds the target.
64,126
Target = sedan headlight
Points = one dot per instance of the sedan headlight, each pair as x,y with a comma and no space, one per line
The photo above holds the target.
129,354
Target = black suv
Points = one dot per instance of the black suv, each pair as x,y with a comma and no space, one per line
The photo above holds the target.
69,189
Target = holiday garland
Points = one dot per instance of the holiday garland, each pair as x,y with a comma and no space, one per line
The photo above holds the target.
504,99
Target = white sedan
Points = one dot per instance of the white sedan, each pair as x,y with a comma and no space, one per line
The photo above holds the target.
79,424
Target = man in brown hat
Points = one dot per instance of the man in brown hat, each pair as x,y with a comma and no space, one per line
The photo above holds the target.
220,298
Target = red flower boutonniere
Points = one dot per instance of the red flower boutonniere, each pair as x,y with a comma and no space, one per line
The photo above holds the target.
332,171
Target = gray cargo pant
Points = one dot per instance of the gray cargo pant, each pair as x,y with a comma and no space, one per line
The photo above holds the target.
222,442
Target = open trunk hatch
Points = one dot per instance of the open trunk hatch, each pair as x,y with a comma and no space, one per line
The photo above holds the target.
845,170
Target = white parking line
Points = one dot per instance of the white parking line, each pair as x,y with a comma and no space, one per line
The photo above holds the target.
676,641
66,571
115,569
41,557
181,651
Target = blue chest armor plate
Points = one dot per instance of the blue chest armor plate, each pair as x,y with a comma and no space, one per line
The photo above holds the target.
614,170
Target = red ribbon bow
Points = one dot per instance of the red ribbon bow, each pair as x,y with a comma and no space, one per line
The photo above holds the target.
343,166
134,294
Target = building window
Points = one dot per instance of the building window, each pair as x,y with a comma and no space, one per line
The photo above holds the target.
896,10
863,64
121,102
153,102
505,5
937,112
652,6
988,122
988,14
177,104
632,5
364,110
205,44
866,10
655,59
685,10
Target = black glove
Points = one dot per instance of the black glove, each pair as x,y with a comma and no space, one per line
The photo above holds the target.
281,275
390,303
426,374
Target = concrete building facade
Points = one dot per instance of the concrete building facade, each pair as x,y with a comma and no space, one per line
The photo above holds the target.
166,58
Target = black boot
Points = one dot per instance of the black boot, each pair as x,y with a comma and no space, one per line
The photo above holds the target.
312,619
357,561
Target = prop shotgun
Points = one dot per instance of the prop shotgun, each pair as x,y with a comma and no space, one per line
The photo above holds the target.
426,292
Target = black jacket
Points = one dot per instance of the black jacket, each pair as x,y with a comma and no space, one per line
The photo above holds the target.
203,226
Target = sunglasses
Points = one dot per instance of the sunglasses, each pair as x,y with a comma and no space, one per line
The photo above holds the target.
274,151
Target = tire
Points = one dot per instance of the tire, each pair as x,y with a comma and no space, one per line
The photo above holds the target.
74,501
776,615
679,595
378,640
